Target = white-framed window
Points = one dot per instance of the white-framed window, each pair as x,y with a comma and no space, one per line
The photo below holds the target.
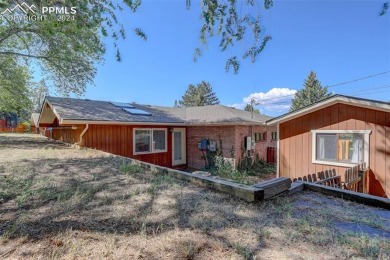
340,147
149,140
274,135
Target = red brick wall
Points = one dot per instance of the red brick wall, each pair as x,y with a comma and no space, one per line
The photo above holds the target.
260,146
2,123
232,141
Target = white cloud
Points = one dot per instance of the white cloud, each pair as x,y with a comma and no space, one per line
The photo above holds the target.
272,96
276,99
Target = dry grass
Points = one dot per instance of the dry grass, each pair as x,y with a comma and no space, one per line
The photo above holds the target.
63,203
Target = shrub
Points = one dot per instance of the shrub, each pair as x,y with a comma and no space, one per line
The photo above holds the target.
225,169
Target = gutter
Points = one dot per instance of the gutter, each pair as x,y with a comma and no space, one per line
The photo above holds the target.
82,134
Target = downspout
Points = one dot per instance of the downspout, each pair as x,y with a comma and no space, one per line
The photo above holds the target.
82,134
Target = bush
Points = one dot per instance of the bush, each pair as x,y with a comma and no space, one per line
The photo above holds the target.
27,126
226,170
256,167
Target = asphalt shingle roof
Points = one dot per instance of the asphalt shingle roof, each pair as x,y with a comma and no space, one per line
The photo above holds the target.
92,110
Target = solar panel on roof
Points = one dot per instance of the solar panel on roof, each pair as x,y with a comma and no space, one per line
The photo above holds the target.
135,111
122,104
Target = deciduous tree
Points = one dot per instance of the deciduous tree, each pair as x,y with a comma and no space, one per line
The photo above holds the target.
66,51
13,86
38,92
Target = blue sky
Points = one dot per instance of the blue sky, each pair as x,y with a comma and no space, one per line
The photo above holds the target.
339,40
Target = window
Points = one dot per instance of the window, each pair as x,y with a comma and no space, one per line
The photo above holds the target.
261,136
150,140
339,147
274,136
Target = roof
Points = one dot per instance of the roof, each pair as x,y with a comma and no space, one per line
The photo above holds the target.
34,119
72,109
214,114
354,101
75,111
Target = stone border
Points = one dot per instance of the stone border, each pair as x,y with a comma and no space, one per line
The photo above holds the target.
358,197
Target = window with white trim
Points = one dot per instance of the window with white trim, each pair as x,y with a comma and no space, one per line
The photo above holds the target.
148,140
340,147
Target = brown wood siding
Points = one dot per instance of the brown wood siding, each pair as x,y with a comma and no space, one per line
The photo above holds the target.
119,140
296,142
68,135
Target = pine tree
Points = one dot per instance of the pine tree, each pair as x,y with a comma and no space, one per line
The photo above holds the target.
248,107
200,95
310,94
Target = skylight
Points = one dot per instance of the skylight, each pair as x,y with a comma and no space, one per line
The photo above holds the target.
135,111
122,104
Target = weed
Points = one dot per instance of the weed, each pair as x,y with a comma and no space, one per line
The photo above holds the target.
244,251
161,182
368,247
187,249
130,168
283,206
226,170
255,166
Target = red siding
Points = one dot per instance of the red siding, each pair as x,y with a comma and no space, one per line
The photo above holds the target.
296,142
119,140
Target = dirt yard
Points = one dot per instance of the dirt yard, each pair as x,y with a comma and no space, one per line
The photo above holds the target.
57,202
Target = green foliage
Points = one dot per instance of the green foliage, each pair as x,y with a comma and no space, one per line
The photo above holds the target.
248,107
13,86
384,9
130,168
38,92
161,182
255,167
66,51
310,94
226,170
200,95
224,20
27,125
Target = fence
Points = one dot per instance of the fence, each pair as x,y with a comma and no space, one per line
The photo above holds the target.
355,178
327,178
19,129
271,155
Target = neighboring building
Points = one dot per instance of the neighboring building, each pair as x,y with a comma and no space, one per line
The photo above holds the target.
167,136
34,123
337,133
8,120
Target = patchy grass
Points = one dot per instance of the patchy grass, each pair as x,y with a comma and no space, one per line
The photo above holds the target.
57,202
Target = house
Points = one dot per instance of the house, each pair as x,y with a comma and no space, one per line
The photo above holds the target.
336,133
34,123
8,120
166,136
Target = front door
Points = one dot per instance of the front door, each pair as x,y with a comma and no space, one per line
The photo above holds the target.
178,146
